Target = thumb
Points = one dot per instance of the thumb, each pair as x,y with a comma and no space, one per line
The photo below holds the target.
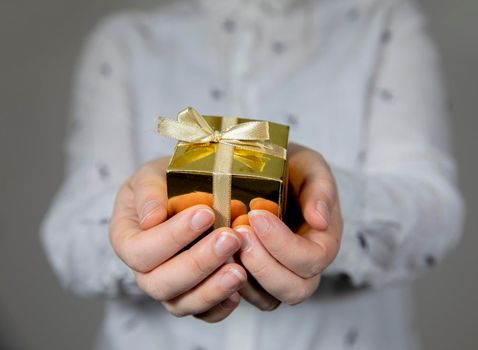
150,193
314,184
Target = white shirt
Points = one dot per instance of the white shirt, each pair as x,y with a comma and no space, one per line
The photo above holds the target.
357,80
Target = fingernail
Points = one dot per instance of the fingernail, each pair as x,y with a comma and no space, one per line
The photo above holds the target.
259,222
246,242
202,219
231,280
227,244
231,302
148,209
323,210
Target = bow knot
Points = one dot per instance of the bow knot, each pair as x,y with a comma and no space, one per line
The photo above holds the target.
216,136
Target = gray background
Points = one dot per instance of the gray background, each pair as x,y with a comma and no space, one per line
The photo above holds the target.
39,42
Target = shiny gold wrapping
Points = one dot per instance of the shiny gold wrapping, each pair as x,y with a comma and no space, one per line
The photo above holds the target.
253,174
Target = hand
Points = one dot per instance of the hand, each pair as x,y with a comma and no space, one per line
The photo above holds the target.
287,265
197,281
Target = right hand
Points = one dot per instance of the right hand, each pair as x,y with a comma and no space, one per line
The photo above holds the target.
198,281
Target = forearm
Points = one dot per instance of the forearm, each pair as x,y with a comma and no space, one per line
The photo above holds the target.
396,226
75,237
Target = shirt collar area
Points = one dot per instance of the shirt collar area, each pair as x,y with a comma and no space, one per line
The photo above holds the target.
267,7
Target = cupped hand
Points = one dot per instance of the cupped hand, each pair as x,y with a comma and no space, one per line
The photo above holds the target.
196,281
287,265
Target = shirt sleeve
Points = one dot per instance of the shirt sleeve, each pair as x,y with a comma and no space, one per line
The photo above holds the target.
99,158
402,210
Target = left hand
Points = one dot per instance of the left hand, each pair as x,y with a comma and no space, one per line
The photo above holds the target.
287,265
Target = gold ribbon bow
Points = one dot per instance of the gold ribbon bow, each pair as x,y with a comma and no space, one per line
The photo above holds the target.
192,128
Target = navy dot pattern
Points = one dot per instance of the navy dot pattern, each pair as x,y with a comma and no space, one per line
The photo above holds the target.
430,261
278,47
362,240
217,94
144,31
103,171
362,156
386,36
105,69
292,119
104,221
229,25
353,14
386,95
351,337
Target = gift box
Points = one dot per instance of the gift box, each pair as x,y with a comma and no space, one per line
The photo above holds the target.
232,164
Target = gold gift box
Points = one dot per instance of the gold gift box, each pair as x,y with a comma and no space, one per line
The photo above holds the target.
254,174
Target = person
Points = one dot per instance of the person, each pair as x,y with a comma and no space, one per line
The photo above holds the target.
359,82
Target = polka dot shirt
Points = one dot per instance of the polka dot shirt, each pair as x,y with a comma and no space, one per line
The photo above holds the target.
357,80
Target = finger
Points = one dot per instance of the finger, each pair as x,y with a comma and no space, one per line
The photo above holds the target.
303,256
221,311
150,194
145,250
179,203
254,294
215,289
240,220
314,184
190,267
264,204
255,204
238,208
275,278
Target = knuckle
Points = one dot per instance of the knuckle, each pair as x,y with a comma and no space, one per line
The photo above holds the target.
281,246
174,310
143,283
259,271
177,239
301,293
206,299
143,183
314,269
198,266
133,256
154,290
